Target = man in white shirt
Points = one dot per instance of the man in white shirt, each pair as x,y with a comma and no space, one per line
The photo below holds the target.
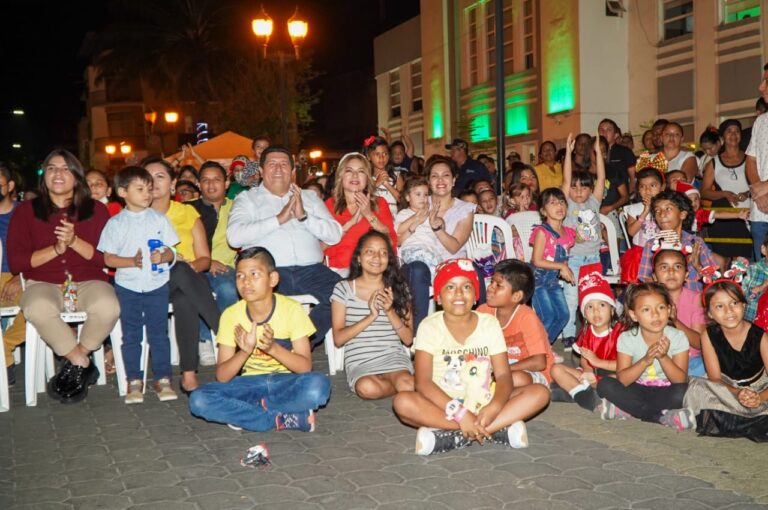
757,173
291,224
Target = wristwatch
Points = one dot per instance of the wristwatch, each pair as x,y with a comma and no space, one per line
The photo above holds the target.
303,218
438,229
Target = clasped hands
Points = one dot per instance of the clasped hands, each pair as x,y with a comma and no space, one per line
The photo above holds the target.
294,208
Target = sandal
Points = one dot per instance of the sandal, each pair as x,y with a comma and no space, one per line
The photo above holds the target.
109,363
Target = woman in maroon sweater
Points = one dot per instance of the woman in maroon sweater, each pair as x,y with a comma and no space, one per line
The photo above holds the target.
54,235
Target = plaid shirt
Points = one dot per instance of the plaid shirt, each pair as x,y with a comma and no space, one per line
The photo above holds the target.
645,273
756,275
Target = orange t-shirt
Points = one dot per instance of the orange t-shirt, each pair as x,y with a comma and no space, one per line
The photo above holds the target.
525,336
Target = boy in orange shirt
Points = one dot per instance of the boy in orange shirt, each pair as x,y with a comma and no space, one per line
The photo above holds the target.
528,350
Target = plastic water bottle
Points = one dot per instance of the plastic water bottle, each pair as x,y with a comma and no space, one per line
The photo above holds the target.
155,244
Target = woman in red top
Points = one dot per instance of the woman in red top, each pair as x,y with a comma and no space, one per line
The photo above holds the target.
355,206
49,238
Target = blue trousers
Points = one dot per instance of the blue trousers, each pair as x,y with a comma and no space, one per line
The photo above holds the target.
549,304
318,281
137,311
759,230
239,401
420,280
223,285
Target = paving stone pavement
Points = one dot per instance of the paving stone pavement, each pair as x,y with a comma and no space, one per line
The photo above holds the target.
104,454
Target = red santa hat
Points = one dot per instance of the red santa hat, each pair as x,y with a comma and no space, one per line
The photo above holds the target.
592,286
455,267
687,189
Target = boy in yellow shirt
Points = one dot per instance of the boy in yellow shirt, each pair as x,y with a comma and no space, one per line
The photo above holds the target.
264,368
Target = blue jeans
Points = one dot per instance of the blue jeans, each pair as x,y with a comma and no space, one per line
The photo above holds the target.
318,281
239,401
759,230
420,280
137,311
572,291
223,285
549,304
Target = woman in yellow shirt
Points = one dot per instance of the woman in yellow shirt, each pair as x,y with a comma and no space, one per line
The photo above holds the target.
549,171
190,292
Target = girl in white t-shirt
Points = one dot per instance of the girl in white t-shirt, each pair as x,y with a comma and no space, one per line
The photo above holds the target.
464,389
651,361
414,234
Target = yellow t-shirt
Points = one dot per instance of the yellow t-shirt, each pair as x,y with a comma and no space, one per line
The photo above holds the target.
548,178
183,217
434,338
221,250
288,320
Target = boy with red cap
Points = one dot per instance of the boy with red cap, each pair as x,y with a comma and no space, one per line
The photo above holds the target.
597,340
457,350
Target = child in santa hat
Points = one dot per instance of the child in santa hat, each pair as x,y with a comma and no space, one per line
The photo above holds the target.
596,342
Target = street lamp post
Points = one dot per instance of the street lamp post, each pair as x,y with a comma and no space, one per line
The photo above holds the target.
297,29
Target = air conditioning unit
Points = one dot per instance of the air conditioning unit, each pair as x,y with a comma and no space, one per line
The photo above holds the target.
615,8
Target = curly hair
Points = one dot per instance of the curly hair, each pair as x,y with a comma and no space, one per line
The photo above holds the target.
681,201
393,277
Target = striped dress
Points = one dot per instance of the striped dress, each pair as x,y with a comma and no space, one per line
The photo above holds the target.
377,349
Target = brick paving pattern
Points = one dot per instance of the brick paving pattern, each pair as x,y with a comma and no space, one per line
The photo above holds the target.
104,454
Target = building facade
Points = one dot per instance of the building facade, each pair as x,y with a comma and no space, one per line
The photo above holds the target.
568,64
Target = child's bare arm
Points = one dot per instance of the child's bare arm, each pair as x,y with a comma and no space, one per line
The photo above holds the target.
628,372
422,367
116,261
232,358
600,163
597,362
534,363
343,333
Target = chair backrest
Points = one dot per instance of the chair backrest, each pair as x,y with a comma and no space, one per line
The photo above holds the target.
623,223
482,235
524,223
613,248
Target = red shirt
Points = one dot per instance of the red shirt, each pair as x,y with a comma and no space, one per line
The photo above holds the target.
340,255
114,208
604,347
27,234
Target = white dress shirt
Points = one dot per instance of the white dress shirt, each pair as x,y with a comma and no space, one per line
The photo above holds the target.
253,222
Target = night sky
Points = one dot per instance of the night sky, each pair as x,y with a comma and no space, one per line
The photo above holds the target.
42,73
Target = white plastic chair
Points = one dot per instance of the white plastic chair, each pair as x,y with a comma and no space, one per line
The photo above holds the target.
524,223
335,354
39,366
5,401
623,223
482,235
613,248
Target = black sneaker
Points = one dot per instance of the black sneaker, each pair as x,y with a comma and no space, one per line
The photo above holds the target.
568,343
515,436
429,440
79,380
60,381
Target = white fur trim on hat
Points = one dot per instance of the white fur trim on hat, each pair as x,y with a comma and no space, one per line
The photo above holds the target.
596,296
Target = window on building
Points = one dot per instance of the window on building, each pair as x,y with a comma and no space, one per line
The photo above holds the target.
737,10
472,44
678,18
394,93
416,86
490,34
528,34
124,124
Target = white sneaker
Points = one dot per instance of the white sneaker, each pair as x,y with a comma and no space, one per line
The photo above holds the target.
207,356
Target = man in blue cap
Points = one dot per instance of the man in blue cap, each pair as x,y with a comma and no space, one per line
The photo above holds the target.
470,170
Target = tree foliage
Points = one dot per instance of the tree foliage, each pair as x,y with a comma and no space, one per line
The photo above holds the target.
186,53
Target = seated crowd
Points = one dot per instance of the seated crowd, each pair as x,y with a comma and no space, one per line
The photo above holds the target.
374,244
